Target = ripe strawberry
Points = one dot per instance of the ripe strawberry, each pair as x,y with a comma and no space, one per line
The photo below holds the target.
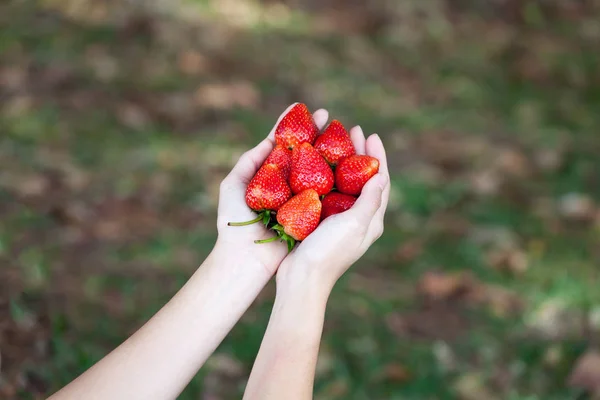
298,126
335,144
297,218
310,171
335,203
266,192
300,215
282,157
353,172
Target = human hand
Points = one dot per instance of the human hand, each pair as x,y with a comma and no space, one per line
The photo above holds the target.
233,208
341,239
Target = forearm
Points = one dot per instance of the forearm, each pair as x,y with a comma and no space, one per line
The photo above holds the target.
285,365
160,359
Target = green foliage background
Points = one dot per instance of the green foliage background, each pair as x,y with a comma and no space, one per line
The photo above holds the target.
117,123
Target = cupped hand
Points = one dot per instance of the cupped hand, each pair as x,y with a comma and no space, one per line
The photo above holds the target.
232,206
343,238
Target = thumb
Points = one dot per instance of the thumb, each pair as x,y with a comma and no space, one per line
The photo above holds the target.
370,199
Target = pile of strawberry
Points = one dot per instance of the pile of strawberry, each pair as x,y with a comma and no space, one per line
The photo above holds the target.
307,177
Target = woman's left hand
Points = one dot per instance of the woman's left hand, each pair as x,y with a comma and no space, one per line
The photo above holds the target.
233,208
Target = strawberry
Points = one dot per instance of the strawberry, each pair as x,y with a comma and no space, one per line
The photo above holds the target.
353,172
300,215
335,203
297,218
335,144
310,171
266,192
282,157
296,127
268,189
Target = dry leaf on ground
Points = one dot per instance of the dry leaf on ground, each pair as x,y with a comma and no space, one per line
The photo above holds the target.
586,373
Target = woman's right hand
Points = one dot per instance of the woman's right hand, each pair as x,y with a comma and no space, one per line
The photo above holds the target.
340,240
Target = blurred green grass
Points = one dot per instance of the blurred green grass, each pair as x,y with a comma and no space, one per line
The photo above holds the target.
118,124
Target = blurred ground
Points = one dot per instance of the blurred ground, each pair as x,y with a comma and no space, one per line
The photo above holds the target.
119,119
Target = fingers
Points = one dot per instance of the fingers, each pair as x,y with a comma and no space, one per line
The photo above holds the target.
321,116
358,139
374,148
369,201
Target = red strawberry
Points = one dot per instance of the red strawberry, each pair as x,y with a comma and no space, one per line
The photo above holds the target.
335,203
335,144
266,192
310,171
282,157
300,215
298,126
297,218
353,172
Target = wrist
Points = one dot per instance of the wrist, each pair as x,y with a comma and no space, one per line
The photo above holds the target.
265,257
300,309
239,261
296,280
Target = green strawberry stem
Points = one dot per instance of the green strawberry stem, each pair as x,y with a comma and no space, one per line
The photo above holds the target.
264,216
281,235
269,240
255,220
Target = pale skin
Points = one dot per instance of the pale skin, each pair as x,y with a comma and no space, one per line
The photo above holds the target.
160,359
